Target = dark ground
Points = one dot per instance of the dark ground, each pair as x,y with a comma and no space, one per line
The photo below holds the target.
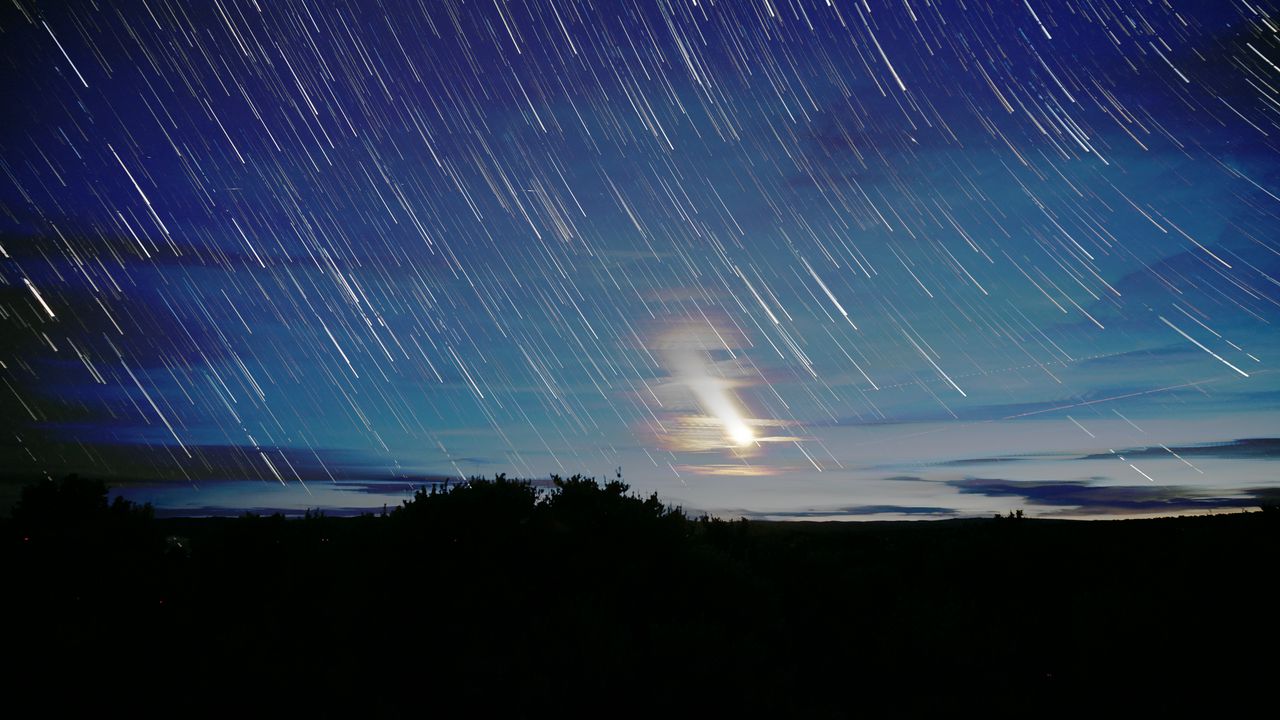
493,600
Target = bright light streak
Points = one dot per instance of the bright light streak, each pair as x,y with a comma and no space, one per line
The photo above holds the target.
741,434
39,298
686,358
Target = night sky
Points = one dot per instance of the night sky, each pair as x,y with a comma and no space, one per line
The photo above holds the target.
775,258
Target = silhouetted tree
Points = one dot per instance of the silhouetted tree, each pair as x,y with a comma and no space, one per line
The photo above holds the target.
478,510
581,504
73,503
571,596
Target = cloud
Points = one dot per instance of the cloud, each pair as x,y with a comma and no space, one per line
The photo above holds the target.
1088,499
124,463
382,487
1239,449
736,470
1007,411
861,511
1143,356
964,462
1248,448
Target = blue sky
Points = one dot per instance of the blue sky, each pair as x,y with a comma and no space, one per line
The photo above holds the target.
784,259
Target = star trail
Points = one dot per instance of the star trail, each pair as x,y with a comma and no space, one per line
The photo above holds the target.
767,257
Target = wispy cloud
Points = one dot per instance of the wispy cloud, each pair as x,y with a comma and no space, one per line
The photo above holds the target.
1086,498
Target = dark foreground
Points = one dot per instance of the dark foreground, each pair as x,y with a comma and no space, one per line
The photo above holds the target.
498,600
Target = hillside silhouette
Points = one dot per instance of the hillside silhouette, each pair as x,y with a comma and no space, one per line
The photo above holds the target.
499,598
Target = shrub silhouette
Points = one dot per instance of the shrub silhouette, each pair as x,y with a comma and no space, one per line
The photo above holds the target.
580,504
501,507
478,510
579,597
74,504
